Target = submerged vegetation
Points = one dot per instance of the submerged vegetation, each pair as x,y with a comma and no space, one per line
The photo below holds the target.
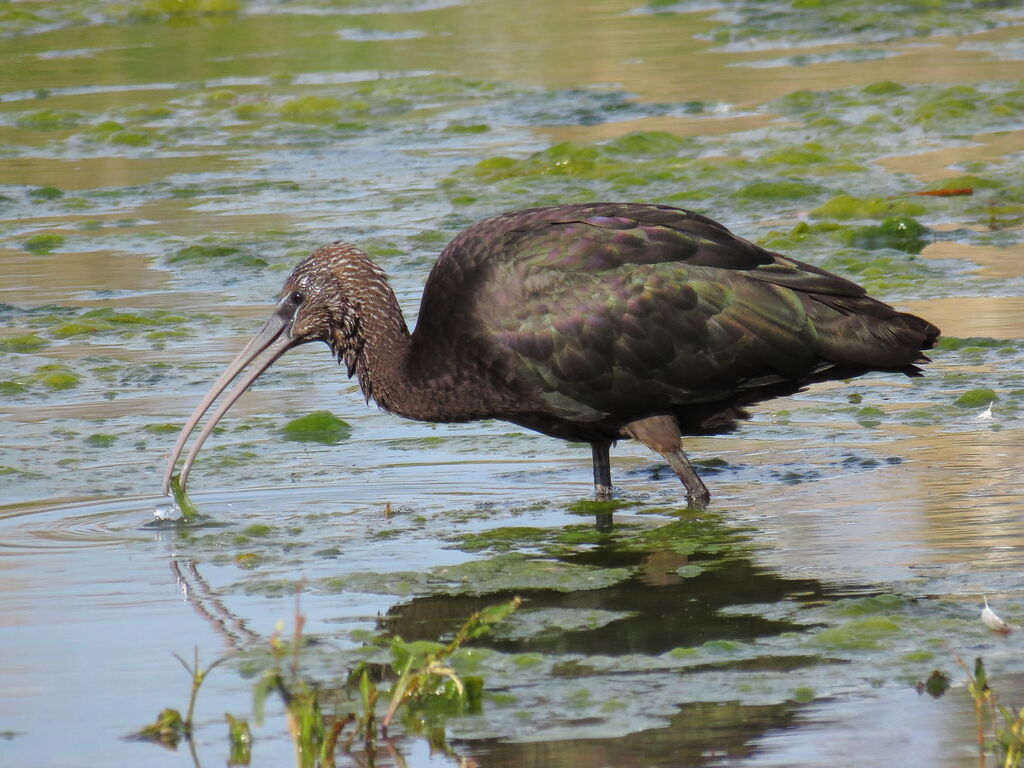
1000,728
325,718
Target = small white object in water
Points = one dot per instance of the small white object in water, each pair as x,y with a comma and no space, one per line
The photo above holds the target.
985,415
991,620
166,510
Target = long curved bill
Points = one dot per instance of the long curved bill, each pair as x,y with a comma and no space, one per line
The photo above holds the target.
273,340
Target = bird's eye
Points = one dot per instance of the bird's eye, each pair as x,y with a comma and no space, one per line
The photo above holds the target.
296,297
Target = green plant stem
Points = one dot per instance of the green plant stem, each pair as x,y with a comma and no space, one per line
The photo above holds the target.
198,677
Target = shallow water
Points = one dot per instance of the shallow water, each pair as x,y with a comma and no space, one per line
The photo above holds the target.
160,174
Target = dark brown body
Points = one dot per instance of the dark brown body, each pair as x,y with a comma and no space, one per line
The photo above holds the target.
596,322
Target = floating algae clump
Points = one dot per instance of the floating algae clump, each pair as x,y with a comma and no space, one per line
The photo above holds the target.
850,207
311,108
860,634
43,243
228,254
114,132
48,120
975,398
56,376
901,233
22,342
100,440
317,427
777,190
106,319
40,194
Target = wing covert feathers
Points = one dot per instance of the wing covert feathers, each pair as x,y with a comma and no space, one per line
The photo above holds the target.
601,307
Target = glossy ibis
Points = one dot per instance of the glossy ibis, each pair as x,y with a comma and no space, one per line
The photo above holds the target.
590,323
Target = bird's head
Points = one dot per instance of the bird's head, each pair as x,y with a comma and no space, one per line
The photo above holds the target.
329,291
316,289
320,301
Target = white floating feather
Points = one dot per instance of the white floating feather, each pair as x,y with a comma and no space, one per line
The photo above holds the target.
985,415
991,620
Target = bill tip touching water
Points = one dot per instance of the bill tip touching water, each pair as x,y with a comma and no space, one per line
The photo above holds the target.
586,322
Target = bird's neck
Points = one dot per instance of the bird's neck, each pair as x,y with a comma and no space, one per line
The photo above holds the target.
389,375
377,350
379,353
410,375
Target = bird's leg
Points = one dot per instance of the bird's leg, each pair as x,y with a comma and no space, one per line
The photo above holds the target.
602,470
602,483
696,491
661,434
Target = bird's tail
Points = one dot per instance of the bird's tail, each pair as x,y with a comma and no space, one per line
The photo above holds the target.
861,331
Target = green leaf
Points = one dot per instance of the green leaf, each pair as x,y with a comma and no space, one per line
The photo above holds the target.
266,685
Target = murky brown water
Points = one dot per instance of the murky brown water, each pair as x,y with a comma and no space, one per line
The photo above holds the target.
267,132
